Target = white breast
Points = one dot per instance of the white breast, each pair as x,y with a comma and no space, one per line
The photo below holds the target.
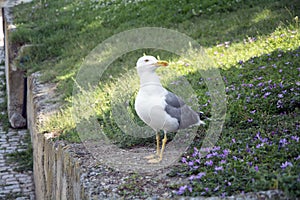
150,107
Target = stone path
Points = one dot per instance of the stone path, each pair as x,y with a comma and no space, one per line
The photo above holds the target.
11,3
14,184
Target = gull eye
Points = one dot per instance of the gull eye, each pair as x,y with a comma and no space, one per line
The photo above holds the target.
146,60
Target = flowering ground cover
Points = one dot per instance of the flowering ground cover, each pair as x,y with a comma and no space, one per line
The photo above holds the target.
259,145
255,45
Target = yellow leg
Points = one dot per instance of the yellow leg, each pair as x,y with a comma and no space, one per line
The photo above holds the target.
164,141
157,144
157,148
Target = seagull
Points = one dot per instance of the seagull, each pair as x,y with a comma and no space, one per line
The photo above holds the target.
159,108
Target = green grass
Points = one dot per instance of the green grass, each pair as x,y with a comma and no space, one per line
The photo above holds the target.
255,44
64,32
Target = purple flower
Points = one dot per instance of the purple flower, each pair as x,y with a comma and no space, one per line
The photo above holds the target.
274,66
216,148
262,67
215,153
284,91
253,111
195,152
209,163
279,104
259,145
220,168
247,148
250,164
216,188
267,94
260,84
183,160
280,95
286,164
256,168
225,80
264,140
280,70
209,155
226,152
181,190
198,176
296,138
195,167
258,135
283,142
233,140
297,158
281,85
250,120
222,161
191,163
223,195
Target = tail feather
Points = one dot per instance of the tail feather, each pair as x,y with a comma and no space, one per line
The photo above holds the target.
202,117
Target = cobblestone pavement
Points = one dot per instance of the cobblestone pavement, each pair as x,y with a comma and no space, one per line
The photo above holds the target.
10,3
14,184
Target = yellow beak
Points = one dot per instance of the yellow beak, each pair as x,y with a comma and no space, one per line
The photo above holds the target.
162,63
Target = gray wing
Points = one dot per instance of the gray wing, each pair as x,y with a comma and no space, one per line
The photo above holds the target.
176,108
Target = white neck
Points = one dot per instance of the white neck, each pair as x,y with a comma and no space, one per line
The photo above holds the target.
149,78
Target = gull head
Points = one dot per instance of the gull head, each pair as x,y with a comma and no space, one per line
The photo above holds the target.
149,64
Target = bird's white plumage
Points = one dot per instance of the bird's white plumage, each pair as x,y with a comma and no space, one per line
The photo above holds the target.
150,106
155,105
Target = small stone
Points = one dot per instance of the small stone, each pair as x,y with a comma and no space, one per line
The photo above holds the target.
17,120
7,176
21,198
4,191
14,139
12,183
16,190
11,187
